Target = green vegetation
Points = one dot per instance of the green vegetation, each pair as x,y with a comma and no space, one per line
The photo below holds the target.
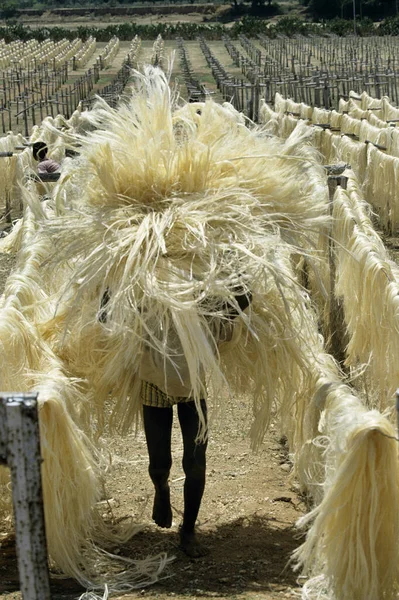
374,9
248,25
251,17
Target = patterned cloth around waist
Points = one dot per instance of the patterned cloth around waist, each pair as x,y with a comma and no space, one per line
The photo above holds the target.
151,395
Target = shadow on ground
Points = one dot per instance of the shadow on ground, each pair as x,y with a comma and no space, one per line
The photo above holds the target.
246,555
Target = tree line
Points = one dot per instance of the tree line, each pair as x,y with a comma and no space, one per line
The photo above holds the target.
316,10
249,26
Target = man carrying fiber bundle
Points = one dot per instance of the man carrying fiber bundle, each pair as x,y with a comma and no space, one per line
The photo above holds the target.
184,215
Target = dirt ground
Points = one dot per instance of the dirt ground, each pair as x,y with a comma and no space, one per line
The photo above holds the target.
49,19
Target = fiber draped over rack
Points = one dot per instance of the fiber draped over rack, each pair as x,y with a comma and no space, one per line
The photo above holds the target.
280,103
380,188
270,119
351,549
376,135
366,282
352,152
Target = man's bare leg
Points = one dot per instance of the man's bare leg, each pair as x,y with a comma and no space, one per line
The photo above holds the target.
194,466
158,432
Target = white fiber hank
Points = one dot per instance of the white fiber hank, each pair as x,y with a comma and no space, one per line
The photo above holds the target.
353,540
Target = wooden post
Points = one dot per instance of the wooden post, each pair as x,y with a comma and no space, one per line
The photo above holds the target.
25,116
20,450
3,125
8,207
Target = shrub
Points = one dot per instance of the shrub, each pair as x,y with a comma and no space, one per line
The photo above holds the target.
389,27
340,26
291,26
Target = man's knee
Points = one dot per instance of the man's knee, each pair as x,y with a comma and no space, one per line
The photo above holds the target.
194,466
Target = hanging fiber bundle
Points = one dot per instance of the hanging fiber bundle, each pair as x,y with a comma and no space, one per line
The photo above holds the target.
353,153
351,549
270,119
350,126
280,103
321,116
305,111
73,468
380,187
376,135
389,112
365,281
288,124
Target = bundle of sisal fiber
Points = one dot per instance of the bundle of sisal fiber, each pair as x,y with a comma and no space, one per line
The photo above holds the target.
171,211
270,119
280,103
351,152
379,186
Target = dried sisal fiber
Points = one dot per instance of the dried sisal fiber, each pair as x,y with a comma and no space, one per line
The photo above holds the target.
321,116
335,119
356,112
368,101
380,189
292,107
288,124
352,152
269,118
376,135
376,121
351,549
181,212
325,144
389,112
394,146
350,126
72,467
280,103
366,282
343,105
305,111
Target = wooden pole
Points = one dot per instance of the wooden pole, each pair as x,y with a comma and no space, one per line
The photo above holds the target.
20,450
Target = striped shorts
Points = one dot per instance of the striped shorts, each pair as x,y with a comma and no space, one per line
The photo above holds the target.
151,395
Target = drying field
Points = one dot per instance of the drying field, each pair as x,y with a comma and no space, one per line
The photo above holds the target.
252,500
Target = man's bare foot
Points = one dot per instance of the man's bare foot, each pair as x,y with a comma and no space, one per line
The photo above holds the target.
162,510
190,544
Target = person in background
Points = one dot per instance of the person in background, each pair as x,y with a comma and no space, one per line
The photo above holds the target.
45,165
